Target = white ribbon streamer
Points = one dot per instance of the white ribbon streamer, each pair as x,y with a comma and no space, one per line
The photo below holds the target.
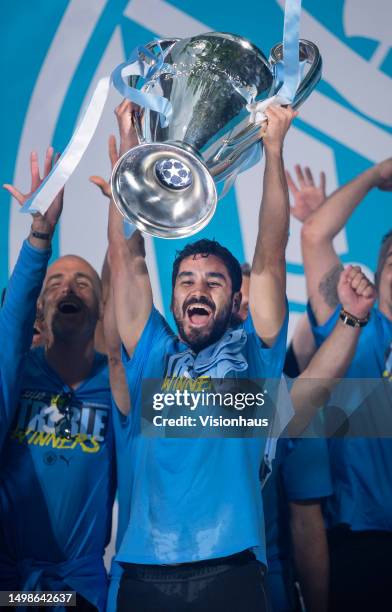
73,153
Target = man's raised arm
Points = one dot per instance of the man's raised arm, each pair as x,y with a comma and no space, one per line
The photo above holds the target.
267,291
19,309
310,390
322,265
130,281
129,275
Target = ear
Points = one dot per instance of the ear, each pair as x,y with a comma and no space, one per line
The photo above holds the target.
237,298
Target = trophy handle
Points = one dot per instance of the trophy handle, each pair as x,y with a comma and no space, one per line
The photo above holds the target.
232,148
309,53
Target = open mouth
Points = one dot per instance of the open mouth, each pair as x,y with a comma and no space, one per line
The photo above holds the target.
69,306
199,314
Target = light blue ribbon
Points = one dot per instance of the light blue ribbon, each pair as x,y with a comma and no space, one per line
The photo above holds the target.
290,65
137,65
288,71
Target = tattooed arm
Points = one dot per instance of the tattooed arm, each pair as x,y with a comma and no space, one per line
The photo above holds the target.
322,265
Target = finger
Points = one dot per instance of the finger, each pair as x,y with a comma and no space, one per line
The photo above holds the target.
323,182
102,184
113,152
123,107
263,128
353,270
300,176
344,276
362,286
309,176
48,161
369,292
270,113
15,193
294,213
292,186
356,280
34,166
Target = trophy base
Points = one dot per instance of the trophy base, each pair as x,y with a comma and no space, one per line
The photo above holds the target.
164,189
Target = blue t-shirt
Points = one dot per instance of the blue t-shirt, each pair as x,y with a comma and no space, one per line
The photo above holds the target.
361,467
301,472
17,317
191,499
56,495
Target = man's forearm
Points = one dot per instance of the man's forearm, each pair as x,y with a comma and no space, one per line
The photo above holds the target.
329,363
16,324
274,217
310,554
130,281
333,215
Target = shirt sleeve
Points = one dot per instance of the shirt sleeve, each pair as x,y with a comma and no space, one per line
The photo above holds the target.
17,318
266,361
155,331
306,471
321,332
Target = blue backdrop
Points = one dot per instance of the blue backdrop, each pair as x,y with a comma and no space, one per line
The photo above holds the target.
53,53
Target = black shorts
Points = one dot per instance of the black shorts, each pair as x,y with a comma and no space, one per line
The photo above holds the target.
228,584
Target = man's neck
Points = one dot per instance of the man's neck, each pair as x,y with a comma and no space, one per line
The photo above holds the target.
72,360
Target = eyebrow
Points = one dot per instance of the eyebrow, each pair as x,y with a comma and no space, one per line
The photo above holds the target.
60,275
84,275
217,275
188,274
54,277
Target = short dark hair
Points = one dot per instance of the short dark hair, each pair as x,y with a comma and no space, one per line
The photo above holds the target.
386,243
210,247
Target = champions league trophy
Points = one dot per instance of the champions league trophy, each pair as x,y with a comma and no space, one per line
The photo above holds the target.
166,185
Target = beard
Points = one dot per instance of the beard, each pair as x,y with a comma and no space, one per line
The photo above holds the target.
200,338
70,328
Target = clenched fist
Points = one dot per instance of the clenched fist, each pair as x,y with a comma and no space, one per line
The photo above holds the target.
356,293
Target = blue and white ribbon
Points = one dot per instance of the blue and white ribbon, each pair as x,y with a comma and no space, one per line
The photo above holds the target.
81,138
289,72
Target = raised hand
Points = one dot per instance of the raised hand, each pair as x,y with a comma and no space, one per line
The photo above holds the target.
42,223
125,118
113,156
279,119
308,196
356,293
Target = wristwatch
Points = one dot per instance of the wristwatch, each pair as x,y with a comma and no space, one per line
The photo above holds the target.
40,235
352,320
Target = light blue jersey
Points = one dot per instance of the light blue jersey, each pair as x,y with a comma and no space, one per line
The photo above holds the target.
17,317
56,494
361,468
192,499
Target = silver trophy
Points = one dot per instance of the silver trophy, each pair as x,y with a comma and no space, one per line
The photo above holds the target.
167,185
